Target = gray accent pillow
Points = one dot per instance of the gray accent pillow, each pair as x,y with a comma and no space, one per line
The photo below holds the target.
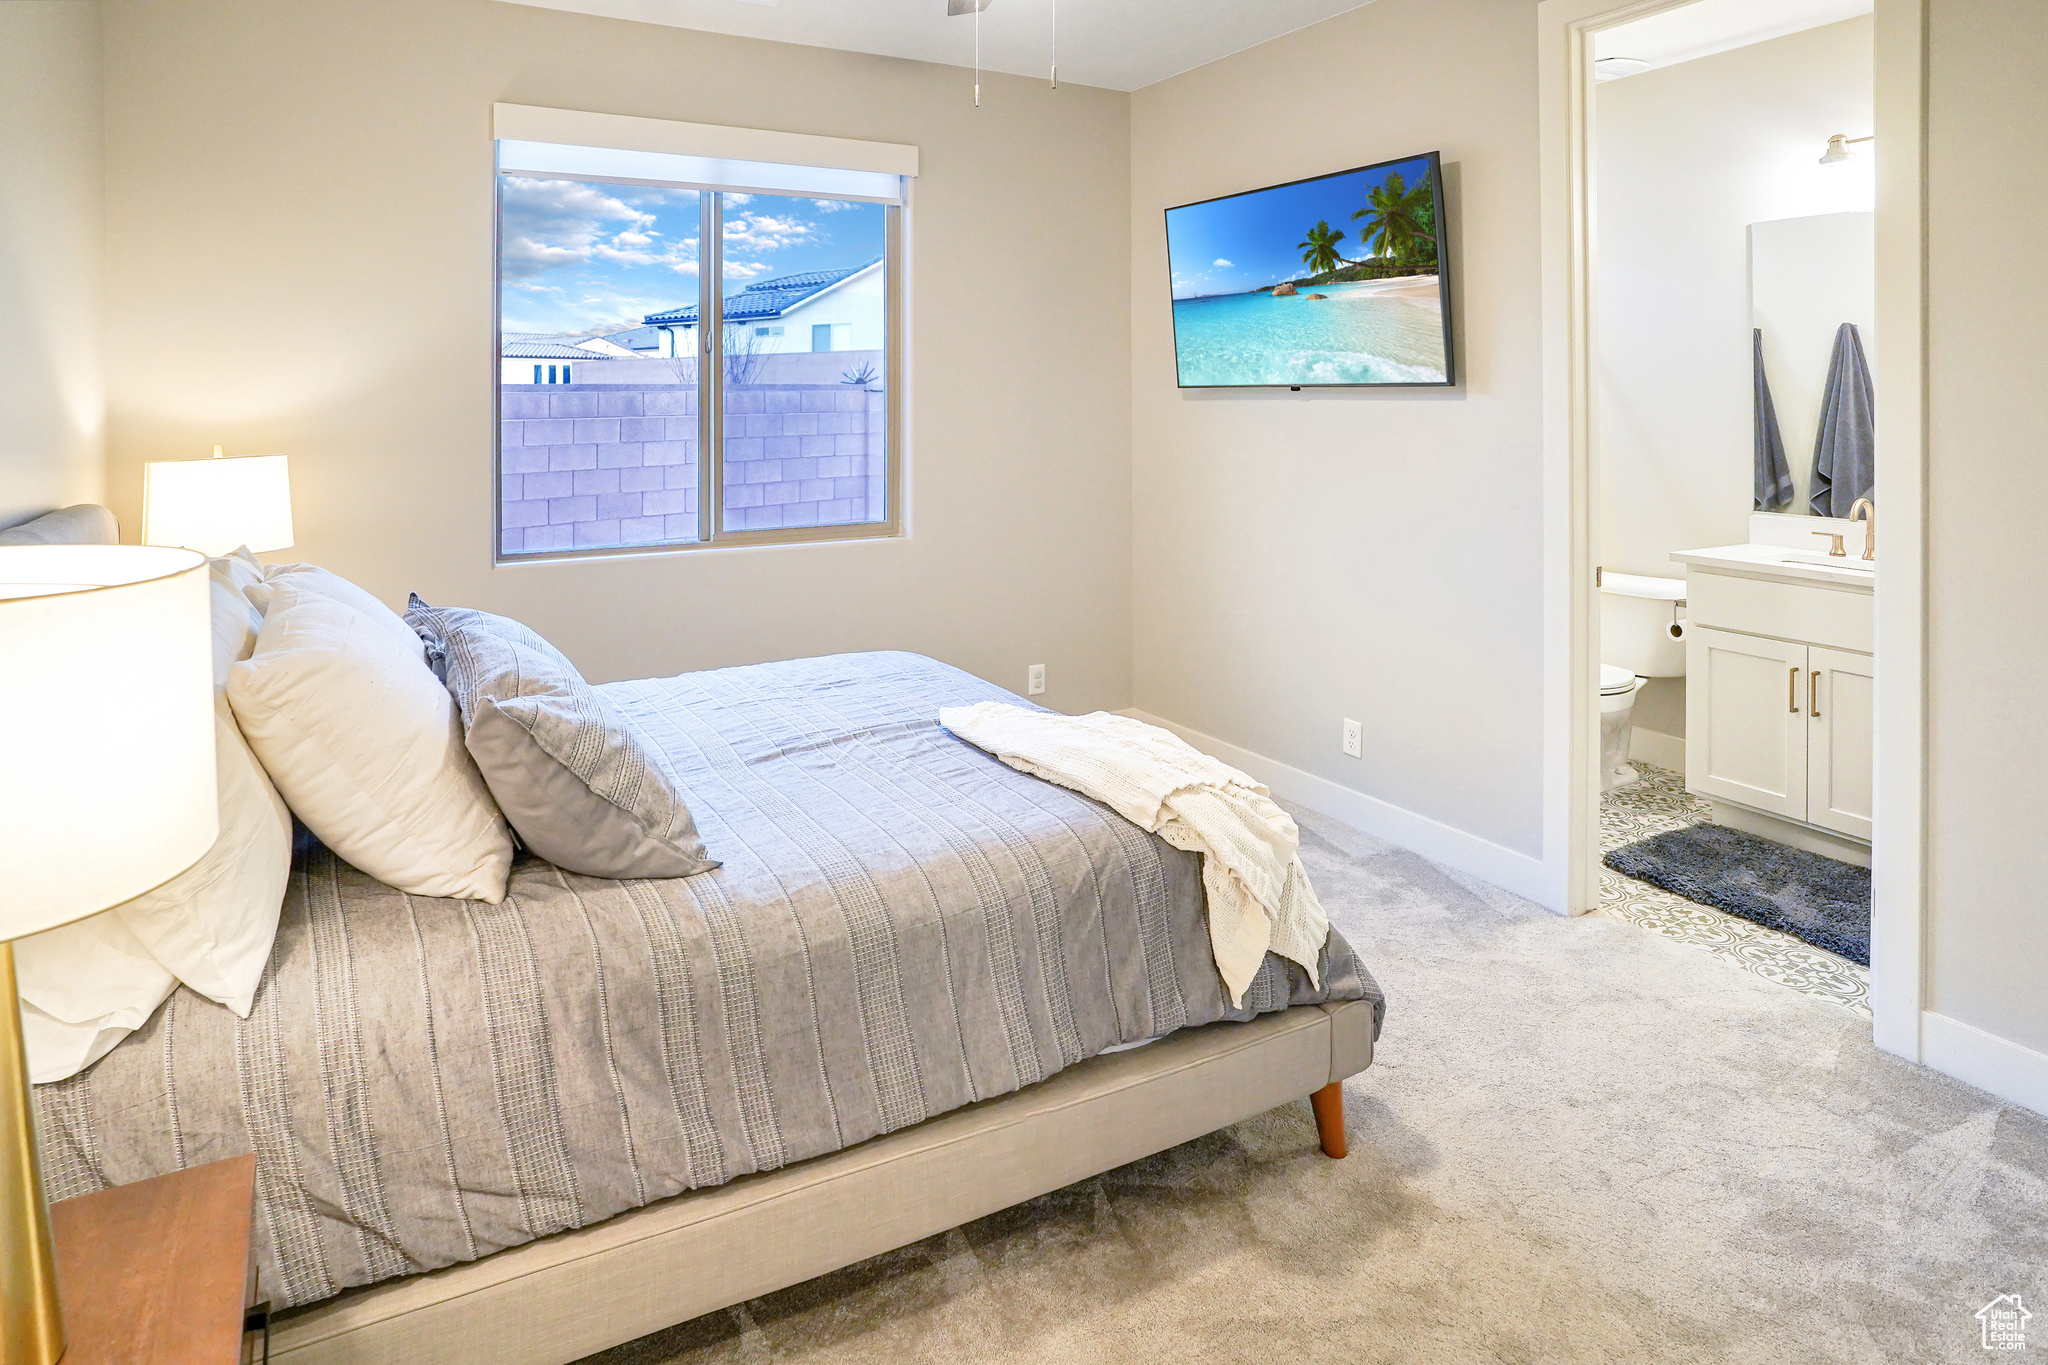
583,788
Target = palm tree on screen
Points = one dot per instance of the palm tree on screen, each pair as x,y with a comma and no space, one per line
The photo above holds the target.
1319,248
1399,222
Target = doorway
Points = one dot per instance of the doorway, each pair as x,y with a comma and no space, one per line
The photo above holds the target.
1890,693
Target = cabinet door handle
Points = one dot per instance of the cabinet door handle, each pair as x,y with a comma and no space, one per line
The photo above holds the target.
1792,691
1813,695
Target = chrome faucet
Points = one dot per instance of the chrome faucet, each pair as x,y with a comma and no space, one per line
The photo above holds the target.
1866,511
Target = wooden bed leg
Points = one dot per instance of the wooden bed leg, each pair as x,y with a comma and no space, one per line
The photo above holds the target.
1329,1106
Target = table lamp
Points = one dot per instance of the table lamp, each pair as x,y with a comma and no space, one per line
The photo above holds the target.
214,505
106,791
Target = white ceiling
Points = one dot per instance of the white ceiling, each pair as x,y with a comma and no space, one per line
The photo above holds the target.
1710,26
1118,44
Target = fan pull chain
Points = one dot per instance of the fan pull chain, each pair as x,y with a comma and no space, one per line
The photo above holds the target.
1055,44
977,54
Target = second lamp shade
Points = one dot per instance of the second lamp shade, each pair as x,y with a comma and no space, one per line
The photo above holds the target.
212,506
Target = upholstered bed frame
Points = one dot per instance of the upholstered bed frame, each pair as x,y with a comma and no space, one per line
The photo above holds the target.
564,1297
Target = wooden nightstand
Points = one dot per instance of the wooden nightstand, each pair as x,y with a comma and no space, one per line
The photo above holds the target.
160,1270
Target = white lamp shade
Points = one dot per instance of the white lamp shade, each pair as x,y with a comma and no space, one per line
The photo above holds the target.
215,505
106,727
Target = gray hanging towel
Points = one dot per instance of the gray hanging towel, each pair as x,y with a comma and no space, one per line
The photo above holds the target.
1773,475
1845,452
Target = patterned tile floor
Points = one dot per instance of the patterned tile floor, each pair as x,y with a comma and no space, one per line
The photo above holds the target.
1659,801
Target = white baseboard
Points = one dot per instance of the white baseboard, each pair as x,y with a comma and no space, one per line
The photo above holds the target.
1656,747
2006,1069
1481,858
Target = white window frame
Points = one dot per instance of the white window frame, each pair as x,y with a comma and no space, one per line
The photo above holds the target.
714,161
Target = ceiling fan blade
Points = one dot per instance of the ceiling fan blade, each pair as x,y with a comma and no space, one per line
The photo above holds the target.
955,8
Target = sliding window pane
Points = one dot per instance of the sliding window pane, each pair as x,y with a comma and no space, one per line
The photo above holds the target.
598,369
805,362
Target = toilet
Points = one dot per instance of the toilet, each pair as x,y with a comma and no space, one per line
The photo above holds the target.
1618,688
1642,636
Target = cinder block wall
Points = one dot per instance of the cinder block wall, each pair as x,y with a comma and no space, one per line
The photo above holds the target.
588,466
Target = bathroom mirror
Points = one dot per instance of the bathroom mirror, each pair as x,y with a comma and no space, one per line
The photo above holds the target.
1808,276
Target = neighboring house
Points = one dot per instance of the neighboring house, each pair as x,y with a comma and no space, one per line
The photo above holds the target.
553,358
645,342
820,310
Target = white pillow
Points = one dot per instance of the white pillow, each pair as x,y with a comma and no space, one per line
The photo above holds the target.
365,744
213,924
84,988
89,984
241,571
313,578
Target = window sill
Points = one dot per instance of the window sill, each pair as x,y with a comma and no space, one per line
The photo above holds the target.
732,540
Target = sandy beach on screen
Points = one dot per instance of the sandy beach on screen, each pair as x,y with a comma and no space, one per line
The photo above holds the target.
1422,287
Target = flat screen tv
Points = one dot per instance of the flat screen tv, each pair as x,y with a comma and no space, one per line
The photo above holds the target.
1328,282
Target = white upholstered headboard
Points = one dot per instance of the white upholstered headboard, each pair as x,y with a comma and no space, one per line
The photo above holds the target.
86,524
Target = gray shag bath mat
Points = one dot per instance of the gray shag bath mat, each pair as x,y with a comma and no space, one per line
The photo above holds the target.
1820,900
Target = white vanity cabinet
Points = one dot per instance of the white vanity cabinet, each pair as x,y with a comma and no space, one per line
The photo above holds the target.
1778,697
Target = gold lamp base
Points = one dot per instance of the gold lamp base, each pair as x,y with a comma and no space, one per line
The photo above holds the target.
31,1325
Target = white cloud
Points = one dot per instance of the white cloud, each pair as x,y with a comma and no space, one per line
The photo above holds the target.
762,232
549,224
1223,263
680,257
833,205
746,270
598,307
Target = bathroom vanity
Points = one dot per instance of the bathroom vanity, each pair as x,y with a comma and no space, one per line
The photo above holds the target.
1779,715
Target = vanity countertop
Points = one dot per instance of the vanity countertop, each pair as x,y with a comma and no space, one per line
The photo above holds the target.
1782,565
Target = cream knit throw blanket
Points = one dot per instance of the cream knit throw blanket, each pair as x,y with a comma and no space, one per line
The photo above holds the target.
1259,896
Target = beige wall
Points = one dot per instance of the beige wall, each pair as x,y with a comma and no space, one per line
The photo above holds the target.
1301,558
1987,764
299,258
1688,156
299,226
52,408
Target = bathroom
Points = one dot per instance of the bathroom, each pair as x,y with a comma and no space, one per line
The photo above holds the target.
1735,359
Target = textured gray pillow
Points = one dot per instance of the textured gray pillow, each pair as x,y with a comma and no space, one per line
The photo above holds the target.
578,782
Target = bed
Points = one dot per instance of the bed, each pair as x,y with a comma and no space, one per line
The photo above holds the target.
528,1131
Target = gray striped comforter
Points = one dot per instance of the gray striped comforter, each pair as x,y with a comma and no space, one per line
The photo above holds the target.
902,925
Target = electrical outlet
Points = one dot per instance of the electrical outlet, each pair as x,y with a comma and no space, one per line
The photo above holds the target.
1354,739
1034,684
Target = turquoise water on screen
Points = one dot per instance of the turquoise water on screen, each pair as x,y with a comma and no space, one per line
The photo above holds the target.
1357,335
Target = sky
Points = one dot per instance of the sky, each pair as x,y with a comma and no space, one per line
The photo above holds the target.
578,257
1235,245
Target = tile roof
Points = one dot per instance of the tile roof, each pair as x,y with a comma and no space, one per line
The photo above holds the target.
603,347
765,298
636,339
547,350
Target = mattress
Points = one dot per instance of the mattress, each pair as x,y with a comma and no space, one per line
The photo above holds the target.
902,925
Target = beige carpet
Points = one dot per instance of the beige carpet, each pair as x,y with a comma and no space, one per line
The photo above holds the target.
1581,1141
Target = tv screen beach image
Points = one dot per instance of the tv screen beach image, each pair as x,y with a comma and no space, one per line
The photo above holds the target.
1331,281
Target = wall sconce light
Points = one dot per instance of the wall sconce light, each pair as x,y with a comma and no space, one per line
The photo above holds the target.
1838,148
214,505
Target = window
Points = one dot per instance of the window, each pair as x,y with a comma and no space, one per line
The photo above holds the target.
703,258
